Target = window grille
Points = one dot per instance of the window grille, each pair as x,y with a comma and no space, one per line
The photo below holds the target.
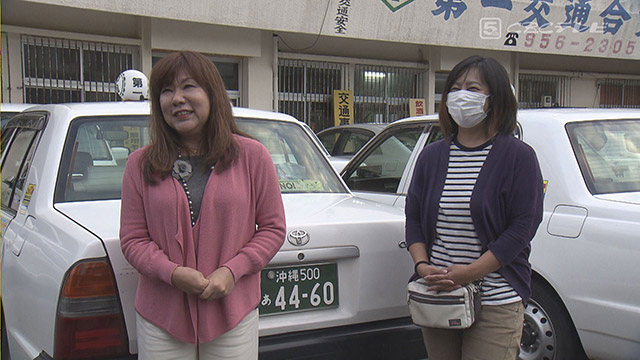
62,70
382,93
305,90
619,93
537,91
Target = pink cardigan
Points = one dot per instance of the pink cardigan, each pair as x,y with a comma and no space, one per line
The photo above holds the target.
241,226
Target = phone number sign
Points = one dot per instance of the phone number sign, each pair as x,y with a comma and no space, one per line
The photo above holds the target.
606,28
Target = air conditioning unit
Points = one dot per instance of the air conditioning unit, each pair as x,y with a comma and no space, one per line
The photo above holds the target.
547,101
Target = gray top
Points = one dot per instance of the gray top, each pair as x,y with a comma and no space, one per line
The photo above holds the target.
197,182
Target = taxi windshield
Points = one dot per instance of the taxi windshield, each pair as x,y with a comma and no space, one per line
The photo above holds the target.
608,152
97,149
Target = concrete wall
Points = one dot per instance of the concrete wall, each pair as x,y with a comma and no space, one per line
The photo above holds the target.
69,19
584,92
258,76
204,38
450,56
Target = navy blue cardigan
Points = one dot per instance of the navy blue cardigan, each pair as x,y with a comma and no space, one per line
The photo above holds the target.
506,204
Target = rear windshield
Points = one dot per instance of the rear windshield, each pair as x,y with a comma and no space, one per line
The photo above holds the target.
95,154
6,115
300,164
608,153
97,149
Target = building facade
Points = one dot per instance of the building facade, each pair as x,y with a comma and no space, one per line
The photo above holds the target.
292,55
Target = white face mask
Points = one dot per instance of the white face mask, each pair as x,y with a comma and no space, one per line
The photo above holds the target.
466,107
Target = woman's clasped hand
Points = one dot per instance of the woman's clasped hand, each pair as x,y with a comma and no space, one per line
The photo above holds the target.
216,285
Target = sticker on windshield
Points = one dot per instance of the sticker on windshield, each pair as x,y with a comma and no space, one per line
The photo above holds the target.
27,198
300,186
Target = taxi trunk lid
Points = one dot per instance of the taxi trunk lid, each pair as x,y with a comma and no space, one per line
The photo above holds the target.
355,236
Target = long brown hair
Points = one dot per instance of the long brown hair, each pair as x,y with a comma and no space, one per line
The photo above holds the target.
217,144
503,106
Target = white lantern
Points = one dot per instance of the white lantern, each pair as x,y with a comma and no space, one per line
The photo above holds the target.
132,85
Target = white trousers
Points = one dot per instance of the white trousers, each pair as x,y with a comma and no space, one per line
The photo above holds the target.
239,343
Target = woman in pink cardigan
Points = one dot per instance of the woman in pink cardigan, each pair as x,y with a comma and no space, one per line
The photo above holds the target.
201,216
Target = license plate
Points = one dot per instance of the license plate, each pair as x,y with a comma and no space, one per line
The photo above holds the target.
299,288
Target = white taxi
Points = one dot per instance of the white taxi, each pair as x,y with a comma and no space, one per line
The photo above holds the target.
586,284
334,290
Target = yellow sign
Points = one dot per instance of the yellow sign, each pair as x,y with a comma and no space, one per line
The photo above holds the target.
417,107
342,107
133,141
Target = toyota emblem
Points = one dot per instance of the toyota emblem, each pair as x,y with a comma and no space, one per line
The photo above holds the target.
298,238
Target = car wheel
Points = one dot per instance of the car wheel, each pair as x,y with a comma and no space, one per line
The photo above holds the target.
5,342
548,332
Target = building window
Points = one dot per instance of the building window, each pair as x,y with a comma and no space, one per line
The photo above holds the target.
305,90
382,94
229,69
619,93
61,70
537,91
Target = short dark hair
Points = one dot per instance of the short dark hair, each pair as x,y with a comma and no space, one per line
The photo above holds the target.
218,146
503,106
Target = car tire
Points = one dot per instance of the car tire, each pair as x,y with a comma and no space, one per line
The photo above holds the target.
548,332
5,342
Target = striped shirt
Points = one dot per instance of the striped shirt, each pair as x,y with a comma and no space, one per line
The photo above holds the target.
456,240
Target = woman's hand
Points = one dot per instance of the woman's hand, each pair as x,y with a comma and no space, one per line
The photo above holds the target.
189,280
221,283
436,277
451,278
460,275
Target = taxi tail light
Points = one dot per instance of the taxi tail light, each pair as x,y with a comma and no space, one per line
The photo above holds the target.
89,321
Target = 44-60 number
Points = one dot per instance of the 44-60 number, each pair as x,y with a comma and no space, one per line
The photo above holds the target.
316,297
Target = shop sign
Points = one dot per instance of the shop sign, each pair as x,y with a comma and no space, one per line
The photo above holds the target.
417,107
342,107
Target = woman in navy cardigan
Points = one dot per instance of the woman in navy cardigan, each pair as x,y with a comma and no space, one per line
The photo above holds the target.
473,206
